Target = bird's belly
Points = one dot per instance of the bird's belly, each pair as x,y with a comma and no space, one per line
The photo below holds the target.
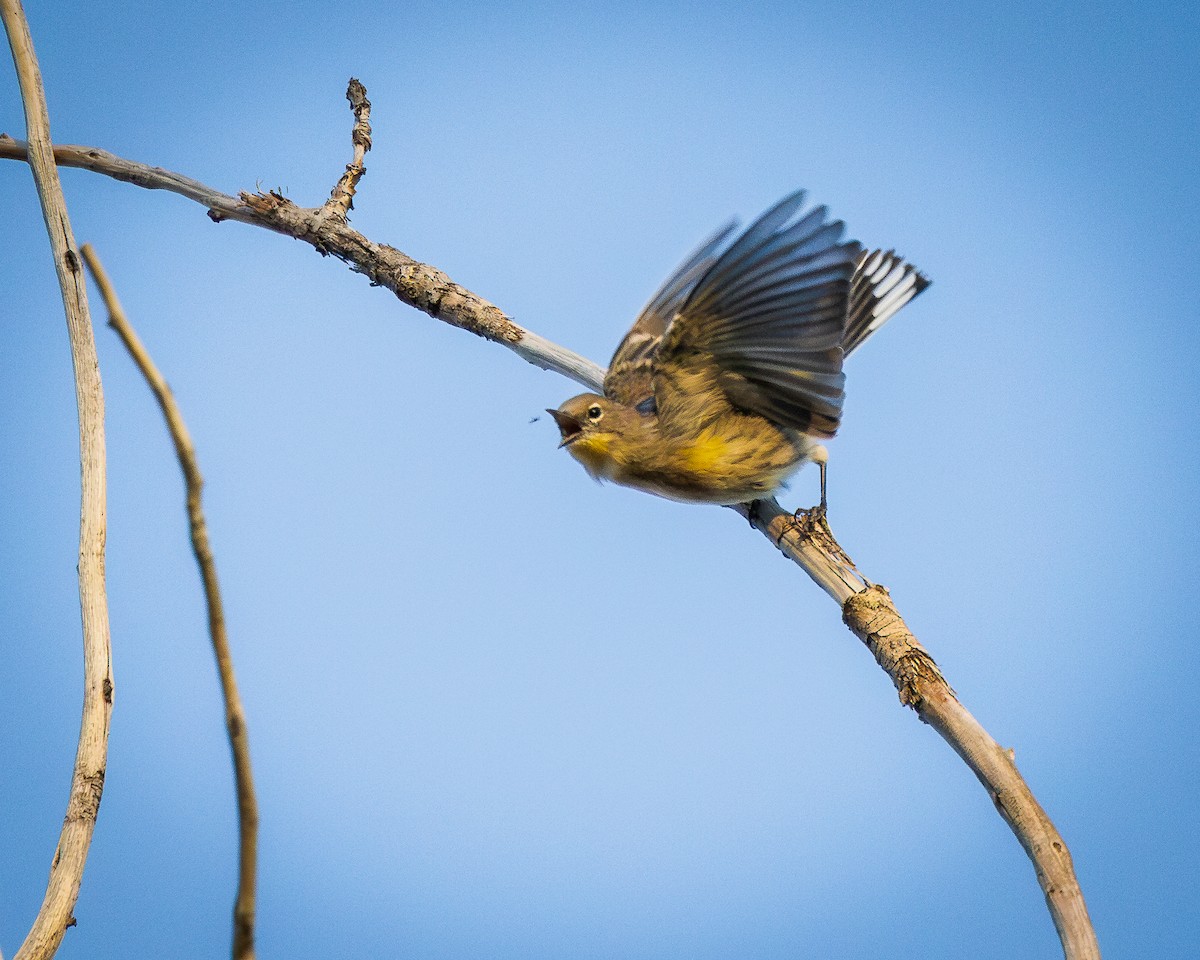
720,468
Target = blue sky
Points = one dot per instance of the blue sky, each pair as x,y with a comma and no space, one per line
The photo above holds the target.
497,711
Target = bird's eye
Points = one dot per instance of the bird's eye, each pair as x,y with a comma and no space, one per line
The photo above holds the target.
594,412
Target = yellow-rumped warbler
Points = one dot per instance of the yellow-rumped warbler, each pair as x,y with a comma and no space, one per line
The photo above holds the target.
733,370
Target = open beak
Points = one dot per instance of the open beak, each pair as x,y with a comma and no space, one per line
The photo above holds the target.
570,427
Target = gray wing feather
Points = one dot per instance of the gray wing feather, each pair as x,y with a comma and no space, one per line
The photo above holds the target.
629,378
770,314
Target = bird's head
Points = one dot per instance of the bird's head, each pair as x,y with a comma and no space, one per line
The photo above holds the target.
593,429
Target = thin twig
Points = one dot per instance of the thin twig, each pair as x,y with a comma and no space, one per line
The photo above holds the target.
235,716
87,780
808,541
341,200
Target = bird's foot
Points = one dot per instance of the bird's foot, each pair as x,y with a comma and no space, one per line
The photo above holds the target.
812,513
806,522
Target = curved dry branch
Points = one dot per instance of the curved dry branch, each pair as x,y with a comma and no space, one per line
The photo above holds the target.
805,539
235,715
874,619
87,781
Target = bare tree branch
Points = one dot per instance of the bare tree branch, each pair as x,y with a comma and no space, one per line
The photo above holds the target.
235,716
868,611
805,539
417,284
874,619
87,781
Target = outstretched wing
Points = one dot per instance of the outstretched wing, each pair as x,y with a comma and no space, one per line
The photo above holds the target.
764,323
882,284
629,378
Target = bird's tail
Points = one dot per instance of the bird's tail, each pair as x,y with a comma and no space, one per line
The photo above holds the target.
881,285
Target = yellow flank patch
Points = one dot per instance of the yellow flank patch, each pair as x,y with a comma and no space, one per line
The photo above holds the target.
705,454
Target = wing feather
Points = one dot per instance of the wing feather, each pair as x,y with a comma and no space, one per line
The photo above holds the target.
629,378
769,317
771,313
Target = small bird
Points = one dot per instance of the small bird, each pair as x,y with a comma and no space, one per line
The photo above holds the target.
732,373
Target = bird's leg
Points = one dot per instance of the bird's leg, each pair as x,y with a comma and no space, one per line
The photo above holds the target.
820,456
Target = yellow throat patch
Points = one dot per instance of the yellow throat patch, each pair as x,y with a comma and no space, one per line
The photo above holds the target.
593,453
